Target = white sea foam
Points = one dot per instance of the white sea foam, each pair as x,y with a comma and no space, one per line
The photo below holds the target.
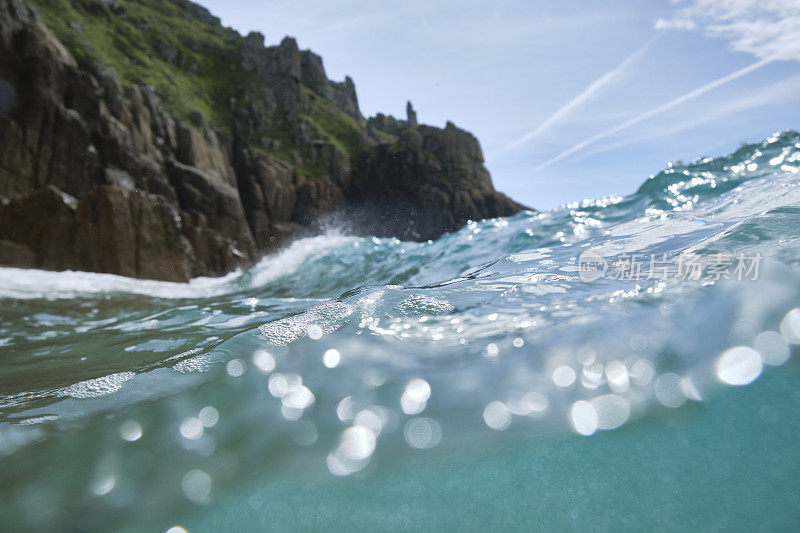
102,386
515,343
25,284
292,258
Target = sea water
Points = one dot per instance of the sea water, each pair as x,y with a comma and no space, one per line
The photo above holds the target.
619,363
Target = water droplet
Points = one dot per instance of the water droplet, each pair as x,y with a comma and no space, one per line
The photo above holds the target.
192,428
564,376
583,416
422,433
331,358
642,373
790,327
612,411
264,361
130,430
357,443
347,409
418,390
278,385
492,350
497,416
669,391
739,366
314,332
196,486
209,416
298,398
104,485
638,343
235,368
773,348
617,376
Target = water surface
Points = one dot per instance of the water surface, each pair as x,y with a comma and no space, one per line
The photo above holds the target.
489,378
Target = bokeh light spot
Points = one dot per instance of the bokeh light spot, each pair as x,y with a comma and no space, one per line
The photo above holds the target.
583,417
564,376
196,486
422,433
497,416
669,391
773,348
331,358
739,366
130,430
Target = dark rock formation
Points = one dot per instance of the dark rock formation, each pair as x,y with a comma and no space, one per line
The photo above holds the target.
411,115
98,173
429,181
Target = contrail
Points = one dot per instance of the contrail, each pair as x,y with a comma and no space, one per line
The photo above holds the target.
587,93
660,109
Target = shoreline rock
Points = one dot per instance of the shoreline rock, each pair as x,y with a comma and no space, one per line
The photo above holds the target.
97,173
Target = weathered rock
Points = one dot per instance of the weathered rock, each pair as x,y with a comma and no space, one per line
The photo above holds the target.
45,223
411,115
131,233
428,182
344,96
313,74
216,203
8,97
109,230
77,131
14,253
253,53
96,174
207,150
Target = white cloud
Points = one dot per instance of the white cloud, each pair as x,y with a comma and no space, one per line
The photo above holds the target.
676,24
767,29
763,28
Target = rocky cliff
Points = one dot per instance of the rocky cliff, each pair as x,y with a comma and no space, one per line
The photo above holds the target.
142,138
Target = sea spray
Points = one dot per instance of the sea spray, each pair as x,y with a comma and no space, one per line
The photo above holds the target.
341,355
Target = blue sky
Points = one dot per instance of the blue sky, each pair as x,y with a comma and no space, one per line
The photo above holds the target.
570,100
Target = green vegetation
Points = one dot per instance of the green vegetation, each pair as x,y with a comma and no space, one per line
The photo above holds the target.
335,127
195,65
192,61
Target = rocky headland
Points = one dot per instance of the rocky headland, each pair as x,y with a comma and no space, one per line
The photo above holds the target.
143,138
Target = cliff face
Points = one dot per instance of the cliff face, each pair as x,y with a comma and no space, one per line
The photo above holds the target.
142,138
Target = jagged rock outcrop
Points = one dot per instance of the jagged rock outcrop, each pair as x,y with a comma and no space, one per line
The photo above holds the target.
427,182
411,115
101,172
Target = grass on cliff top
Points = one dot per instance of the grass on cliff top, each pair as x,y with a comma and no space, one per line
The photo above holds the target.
332,125
133,38
204,75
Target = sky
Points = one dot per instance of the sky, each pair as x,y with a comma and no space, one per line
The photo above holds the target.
570,100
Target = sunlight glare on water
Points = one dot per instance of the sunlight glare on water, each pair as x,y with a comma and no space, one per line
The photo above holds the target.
341,356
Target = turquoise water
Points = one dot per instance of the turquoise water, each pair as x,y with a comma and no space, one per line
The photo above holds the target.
491,378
